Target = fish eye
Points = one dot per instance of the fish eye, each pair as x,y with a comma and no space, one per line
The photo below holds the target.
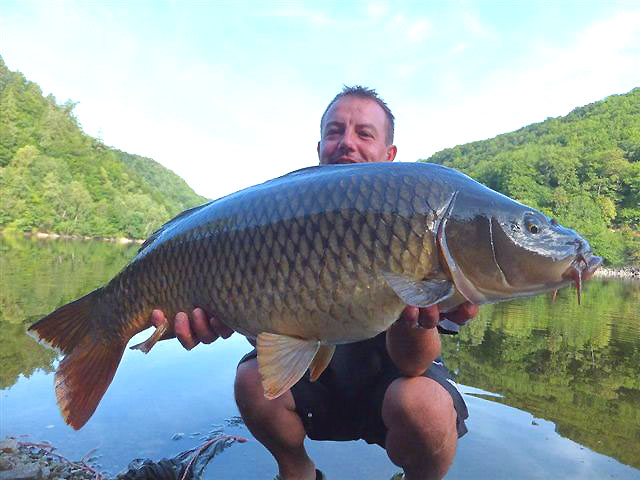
532,226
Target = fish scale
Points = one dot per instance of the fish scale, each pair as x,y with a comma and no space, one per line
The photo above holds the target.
322,256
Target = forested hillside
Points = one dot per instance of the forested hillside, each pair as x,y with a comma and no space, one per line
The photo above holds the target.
54,178
583,169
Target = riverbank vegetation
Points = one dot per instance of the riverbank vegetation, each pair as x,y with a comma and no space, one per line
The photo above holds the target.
55,178
583,169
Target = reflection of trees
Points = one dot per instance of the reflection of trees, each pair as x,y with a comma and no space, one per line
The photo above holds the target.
577,366
21,355
35,278
40,275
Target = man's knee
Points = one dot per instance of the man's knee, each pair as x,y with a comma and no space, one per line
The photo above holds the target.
421,426
248,386
250,394
275,422
418,402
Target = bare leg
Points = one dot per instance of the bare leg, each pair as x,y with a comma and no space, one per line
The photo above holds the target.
274,423
421,423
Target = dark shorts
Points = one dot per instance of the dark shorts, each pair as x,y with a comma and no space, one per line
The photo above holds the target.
345,403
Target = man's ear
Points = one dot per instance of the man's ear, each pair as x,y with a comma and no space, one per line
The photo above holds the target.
391,153
318,149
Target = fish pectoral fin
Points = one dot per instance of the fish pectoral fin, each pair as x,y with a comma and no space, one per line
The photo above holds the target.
282,361
321,360
419,293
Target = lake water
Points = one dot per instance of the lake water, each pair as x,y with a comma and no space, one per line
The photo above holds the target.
553,389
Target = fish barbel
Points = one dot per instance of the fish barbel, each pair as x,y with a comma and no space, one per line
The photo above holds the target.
321,256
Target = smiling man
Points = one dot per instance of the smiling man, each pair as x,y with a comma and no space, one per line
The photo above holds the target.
392,390
356,128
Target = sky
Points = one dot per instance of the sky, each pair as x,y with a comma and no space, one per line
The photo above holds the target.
230,94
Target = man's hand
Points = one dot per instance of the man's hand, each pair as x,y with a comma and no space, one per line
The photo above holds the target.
200,328
413,342
428,317
462,314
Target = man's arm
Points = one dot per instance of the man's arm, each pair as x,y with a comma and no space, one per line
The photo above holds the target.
413,341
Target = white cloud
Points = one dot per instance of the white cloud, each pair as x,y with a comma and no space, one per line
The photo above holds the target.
412,30
377,9
301,13
418,30
460,47
472,24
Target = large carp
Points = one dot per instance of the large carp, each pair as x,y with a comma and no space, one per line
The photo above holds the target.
321,256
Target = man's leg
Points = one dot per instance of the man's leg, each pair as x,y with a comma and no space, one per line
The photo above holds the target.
421,427
274,423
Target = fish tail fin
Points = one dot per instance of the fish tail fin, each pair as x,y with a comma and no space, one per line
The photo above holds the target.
90,361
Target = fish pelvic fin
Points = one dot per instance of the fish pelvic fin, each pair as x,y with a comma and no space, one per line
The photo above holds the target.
90,360
155,337
283,360
321,360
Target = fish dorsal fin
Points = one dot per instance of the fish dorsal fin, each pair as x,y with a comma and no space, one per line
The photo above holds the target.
321,360
419,293
282,361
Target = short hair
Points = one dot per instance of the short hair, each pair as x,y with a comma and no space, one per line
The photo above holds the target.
368,93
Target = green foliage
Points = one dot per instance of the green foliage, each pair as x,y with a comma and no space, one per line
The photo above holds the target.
583,169
54,178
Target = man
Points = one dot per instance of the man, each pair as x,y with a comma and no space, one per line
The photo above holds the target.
391,390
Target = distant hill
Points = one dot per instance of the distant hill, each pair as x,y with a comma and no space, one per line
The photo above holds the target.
55,178
583,169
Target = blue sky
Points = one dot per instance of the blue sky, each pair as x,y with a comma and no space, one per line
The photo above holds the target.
229,94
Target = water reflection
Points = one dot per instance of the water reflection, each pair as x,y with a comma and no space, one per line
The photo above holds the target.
577,366
37,276
570,371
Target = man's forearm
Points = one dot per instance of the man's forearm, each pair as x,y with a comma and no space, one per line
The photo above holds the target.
413,349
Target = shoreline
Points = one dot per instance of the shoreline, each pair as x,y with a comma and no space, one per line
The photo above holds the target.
626,273
59,236
28,460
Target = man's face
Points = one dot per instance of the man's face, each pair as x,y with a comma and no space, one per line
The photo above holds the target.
354,131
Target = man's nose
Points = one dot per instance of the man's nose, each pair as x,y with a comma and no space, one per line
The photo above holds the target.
347,141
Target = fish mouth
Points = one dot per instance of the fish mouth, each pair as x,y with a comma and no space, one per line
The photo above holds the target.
582,269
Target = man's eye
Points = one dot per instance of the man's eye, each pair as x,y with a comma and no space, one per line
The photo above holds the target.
366,134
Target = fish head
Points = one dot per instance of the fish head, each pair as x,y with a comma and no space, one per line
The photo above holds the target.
496,248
